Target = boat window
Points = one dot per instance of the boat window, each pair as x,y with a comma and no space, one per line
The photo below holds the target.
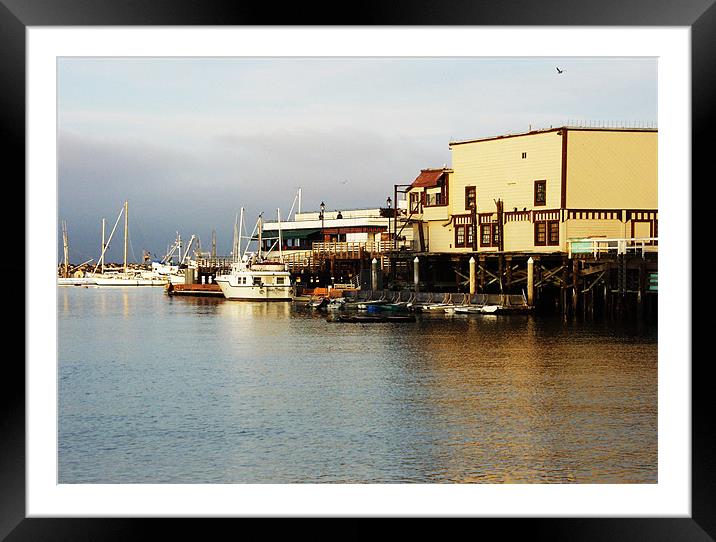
279,280
257,281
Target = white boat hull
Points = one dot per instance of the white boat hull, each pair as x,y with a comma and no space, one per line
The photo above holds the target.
128,281
83,281
248,292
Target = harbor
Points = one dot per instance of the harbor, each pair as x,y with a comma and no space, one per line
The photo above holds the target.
343,270
567,247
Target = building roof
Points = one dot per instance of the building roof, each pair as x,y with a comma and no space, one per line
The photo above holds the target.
428,178
546,130
292,234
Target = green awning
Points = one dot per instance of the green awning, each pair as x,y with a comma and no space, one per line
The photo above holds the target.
288,234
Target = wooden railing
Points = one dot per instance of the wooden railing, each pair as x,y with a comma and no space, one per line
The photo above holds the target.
597,246
351,248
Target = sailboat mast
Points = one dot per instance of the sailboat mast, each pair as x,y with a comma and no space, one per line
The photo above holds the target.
126,237
260,228
235,244
280,241
103,247
65,247
238,239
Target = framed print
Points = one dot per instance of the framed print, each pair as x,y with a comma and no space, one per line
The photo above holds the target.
577,414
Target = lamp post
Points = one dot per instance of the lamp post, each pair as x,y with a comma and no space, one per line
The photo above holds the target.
323,208
391,235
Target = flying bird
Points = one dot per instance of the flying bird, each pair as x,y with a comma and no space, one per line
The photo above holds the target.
558,70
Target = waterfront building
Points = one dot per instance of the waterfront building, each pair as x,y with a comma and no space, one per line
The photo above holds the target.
325,229
533,192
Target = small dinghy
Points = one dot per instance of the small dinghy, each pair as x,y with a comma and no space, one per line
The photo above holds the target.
319,303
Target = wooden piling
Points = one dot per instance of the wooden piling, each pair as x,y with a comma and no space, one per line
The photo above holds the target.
530,282
575,286
473,277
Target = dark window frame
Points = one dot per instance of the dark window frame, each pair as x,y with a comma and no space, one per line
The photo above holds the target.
494,233
547,224
441,197
543,184
415,201
458,230
470,190
551,223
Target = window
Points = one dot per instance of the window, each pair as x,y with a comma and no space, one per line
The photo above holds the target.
540,193
460,236
436,198
415,202
433,199
490,235
463,236
495,235
547,233
553,232
470,197
485,234
279,280
257,281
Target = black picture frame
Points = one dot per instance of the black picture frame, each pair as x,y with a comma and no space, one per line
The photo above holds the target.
699,15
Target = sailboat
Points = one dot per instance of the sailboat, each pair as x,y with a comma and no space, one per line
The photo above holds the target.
126,277
253,278
67,279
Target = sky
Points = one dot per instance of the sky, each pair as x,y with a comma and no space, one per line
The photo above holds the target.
189,141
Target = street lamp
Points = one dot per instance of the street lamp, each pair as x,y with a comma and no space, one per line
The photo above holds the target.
323,208
388,202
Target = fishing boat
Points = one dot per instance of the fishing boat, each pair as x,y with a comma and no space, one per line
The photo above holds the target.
165,269
252,277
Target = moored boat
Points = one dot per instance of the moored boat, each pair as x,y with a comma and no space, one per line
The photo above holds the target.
255,279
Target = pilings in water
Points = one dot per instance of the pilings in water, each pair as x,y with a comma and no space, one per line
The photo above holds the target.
582,286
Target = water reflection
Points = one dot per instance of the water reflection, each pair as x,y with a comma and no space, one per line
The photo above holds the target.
207,390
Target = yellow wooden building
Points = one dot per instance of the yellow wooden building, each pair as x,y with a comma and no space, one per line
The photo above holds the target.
534,191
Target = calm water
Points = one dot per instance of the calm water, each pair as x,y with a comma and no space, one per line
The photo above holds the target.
155,389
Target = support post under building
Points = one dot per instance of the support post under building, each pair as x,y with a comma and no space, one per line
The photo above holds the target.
530,282
374,274
473,276
416,273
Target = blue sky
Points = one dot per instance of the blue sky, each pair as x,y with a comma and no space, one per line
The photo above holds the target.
188,141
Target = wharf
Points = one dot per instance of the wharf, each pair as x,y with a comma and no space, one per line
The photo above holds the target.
204,290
